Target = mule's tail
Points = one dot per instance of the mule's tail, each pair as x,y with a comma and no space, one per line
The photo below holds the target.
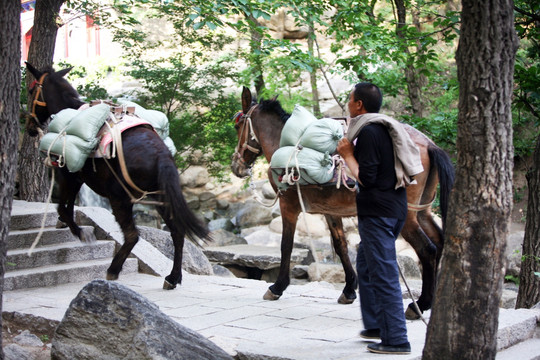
169,182
445,170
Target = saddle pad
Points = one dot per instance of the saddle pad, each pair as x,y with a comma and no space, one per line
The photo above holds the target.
128,121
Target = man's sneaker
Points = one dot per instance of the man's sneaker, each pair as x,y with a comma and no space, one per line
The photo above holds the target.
379,348
371,334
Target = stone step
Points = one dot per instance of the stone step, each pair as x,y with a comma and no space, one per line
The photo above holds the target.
30,216
525,350
58,254
53,275
23,239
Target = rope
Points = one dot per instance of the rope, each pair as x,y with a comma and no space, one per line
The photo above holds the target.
411,295
42,228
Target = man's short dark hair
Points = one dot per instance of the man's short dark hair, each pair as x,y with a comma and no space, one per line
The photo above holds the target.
370,95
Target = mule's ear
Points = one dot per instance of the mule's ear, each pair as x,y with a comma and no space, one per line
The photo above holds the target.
275,98
36,73
246,99
64,71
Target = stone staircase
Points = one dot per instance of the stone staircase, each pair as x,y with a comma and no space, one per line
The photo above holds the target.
59,258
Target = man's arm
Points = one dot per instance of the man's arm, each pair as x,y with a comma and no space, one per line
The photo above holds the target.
346,150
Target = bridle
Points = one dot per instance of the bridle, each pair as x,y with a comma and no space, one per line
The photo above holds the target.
246,134
39,100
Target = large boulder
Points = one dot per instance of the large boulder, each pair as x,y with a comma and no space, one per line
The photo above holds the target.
107,320
193,259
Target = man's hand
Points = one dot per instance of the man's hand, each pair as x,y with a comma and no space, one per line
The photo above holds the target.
345,148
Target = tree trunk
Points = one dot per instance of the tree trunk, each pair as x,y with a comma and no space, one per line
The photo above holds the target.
10,87
33,175
412,75
313,74
529,289
465,313
256,58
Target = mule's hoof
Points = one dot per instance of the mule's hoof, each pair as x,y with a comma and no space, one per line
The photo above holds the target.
345,300
168,286
87,235
111,276
60,224
269,295
411,314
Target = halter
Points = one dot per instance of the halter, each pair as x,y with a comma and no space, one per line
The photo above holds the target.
240,149
37,95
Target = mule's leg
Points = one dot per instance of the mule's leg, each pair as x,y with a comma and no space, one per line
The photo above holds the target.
427,254
68,188
177,235
335,224
290,210
123,212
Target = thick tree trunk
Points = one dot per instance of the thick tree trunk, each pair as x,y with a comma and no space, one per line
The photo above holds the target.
529,277
33,175
464,318
10,86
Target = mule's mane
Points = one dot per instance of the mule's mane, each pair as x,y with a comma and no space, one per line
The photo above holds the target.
274,106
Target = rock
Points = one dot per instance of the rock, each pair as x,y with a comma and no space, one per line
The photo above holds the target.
268,191
261,257
193,259
263,236
300,272
194,176
107,320
222,204
409,267
220,224
222,271
253,214
208,200
16,352
326,272
27,339
222,237
316,225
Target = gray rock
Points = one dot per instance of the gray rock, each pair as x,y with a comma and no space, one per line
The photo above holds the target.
222,237
261,257
268,191
193,259
107,320
253,214
221,223
409,267
222,271
27,339
326,272
194,176
16,352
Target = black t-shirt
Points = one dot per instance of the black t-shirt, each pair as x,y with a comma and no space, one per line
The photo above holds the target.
375,155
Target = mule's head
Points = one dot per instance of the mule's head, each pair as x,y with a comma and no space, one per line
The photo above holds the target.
248,147
50,93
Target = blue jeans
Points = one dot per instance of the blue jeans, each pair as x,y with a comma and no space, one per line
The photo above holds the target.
381,301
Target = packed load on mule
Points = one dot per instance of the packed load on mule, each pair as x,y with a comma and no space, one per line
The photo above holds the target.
306,152
74,134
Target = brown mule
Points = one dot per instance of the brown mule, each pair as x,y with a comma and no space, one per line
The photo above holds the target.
259,131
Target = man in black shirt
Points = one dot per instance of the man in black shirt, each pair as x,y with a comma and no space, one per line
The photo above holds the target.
382,209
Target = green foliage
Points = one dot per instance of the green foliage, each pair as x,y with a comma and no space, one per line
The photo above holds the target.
211,132
89,83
